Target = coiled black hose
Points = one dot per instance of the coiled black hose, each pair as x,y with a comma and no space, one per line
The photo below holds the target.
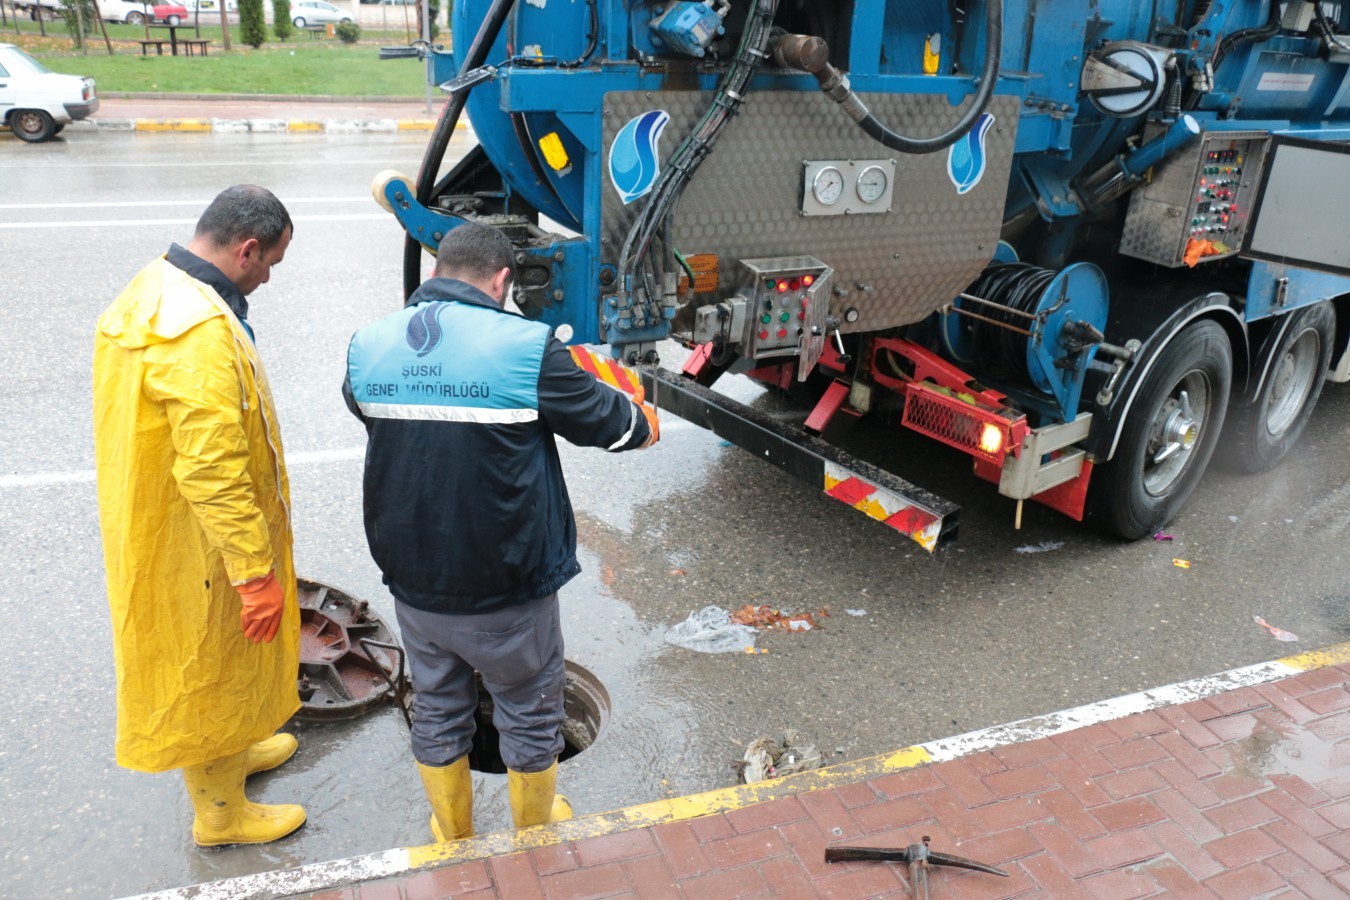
1016,287
444,131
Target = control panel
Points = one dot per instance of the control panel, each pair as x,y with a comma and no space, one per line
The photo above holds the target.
1216,211
1203,194
779,309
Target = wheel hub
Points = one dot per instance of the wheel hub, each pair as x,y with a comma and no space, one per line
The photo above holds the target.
1180,430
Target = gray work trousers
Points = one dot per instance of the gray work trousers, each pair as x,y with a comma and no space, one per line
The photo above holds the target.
518,651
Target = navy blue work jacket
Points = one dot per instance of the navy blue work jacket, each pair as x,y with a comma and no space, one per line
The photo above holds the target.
466,510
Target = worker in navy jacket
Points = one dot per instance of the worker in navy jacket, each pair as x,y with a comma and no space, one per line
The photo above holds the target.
467,513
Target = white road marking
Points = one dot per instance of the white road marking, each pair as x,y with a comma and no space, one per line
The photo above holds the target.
86,476
365,198
131,223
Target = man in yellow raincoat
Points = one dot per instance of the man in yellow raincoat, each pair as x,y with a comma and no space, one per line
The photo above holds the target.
194,505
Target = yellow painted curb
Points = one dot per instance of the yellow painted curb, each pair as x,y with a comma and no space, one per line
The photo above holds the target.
674,809
304,125
173,124
416,124
1319,659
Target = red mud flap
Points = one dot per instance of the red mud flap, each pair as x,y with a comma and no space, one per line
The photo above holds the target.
925,518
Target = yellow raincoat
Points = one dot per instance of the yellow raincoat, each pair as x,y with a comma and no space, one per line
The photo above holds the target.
193,499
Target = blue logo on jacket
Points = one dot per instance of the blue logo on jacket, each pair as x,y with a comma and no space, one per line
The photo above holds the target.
424,329
633,157
965,159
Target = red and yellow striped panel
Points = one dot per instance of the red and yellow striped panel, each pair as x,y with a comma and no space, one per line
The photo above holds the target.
606,369
886,507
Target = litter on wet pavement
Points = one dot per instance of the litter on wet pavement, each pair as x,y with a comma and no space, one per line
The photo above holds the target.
774,757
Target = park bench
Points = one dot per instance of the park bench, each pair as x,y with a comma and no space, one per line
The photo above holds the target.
316,31
158,45
196,47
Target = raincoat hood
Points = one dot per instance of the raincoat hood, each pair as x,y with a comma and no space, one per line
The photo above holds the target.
162,303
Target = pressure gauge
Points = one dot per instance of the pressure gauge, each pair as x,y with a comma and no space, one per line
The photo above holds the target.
872,184
828,186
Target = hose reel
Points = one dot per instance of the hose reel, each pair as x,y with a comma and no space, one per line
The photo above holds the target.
1031,324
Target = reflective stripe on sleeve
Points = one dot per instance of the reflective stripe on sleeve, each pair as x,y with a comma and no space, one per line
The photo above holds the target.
632,423
448,413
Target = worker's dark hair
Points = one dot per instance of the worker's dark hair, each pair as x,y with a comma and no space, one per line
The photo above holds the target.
242,212
475,251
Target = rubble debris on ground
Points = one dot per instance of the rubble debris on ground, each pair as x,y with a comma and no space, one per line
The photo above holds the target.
774,757
764,617
1042,547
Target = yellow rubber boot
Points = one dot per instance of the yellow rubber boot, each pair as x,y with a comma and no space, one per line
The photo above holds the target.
269,753
450,791
223,815
533,797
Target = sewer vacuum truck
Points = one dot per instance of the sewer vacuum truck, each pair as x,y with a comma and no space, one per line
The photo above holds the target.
1089,243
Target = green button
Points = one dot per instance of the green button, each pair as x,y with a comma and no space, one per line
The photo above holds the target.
765,319
783,317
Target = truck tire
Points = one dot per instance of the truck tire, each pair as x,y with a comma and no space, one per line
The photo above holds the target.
1260,434
31,125
1168,436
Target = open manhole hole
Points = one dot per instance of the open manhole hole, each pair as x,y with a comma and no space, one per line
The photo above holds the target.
585,704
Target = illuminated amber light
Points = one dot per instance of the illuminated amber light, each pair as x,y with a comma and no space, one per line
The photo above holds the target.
991,439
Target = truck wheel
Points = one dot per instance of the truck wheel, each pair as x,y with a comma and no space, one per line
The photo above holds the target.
1259,435
31,125
1169,435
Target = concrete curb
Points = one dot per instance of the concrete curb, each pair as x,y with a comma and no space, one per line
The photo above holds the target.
406,860
258,126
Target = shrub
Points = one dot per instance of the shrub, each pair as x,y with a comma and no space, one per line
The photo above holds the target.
252,25
347,32
67,12
281,19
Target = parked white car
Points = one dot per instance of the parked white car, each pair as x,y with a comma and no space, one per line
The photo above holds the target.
47,9
316,12
35,102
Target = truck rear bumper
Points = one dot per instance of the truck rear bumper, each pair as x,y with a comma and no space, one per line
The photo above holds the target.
925,518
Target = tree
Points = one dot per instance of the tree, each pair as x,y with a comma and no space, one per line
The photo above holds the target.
252,25
80,24
281,19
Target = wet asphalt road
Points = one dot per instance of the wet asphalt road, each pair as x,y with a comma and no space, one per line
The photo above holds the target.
982,634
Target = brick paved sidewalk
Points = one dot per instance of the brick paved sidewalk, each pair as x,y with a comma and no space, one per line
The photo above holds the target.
1230,785
1243,794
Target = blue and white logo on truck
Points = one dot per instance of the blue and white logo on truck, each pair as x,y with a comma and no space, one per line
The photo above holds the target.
634,160
966,158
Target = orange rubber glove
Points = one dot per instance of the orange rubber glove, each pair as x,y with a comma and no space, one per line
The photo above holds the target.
649,413
263,599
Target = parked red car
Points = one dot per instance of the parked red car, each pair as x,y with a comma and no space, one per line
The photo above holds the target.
134,13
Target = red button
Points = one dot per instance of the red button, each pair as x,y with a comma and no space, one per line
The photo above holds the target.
796,284
802,314
782,332
764,335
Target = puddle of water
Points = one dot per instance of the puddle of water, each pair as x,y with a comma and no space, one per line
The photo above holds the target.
1289,751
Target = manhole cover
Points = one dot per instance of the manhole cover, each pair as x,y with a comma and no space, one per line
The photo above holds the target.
585,703
349,660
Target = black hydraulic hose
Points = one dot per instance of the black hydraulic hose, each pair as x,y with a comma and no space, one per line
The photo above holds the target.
445,130
811,54
1247,35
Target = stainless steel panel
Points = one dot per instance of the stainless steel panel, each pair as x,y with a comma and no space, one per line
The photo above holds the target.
1163,211
745,201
